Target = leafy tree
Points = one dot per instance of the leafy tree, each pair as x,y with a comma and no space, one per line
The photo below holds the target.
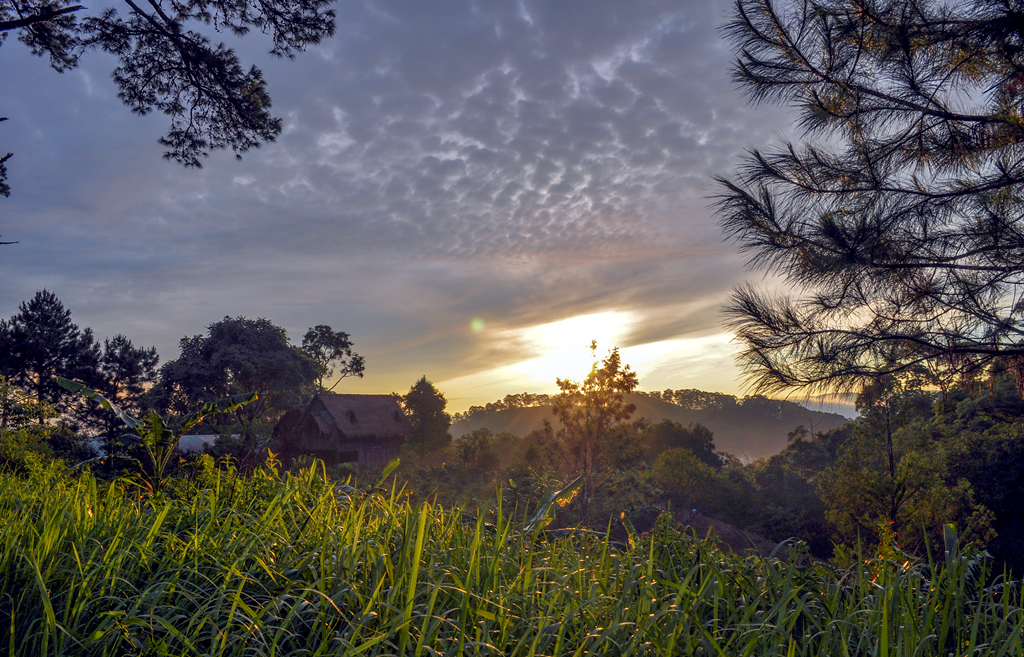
993,463
981,431
594,414
239,355
41,342
898,221
165,62
424,406
330,348
697,438
685,478
886,404
788,502
892,474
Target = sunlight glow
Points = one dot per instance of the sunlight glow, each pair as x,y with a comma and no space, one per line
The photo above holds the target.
561,350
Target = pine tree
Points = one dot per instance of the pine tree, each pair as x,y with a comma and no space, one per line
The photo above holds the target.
127,372
898,223
41,342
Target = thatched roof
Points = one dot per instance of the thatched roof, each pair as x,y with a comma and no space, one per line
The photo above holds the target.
356,417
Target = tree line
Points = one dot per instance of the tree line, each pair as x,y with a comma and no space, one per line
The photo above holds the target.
915,459
235,355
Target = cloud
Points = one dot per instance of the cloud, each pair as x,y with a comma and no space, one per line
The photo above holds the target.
522,162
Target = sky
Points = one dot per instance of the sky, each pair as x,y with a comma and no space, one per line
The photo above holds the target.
472,190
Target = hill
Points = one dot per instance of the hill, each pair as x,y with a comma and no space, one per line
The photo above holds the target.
750,428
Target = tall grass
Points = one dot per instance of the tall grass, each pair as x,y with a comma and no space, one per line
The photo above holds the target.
267,566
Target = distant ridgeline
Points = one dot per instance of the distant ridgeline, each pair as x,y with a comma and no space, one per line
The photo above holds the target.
522,400
749,427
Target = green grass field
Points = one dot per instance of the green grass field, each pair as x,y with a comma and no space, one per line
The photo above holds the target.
261,565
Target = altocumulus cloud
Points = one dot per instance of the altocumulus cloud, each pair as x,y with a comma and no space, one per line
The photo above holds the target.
443,161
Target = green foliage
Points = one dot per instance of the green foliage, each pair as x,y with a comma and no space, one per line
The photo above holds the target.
476,449
24,451
788,504
267,564
980,429
25,433
892,474
542,517
687,482
239,355
593,413
630,492
683,476
697,438
159,435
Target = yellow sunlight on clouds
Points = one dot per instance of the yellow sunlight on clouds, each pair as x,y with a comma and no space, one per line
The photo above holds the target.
561,350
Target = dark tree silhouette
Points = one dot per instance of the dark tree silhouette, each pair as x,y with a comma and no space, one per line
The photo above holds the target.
898,223
330,348
166,62
424,405
697,438
41,342
238,355
127,372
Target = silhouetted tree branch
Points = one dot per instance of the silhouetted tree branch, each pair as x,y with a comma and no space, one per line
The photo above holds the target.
166,65
43,15
898,221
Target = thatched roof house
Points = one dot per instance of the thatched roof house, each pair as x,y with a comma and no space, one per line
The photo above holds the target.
361,429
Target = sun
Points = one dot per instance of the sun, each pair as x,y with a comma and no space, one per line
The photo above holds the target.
562,349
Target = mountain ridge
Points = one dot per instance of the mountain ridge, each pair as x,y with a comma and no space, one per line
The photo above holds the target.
750,428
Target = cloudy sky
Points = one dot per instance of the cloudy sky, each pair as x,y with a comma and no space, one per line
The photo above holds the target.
473,190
